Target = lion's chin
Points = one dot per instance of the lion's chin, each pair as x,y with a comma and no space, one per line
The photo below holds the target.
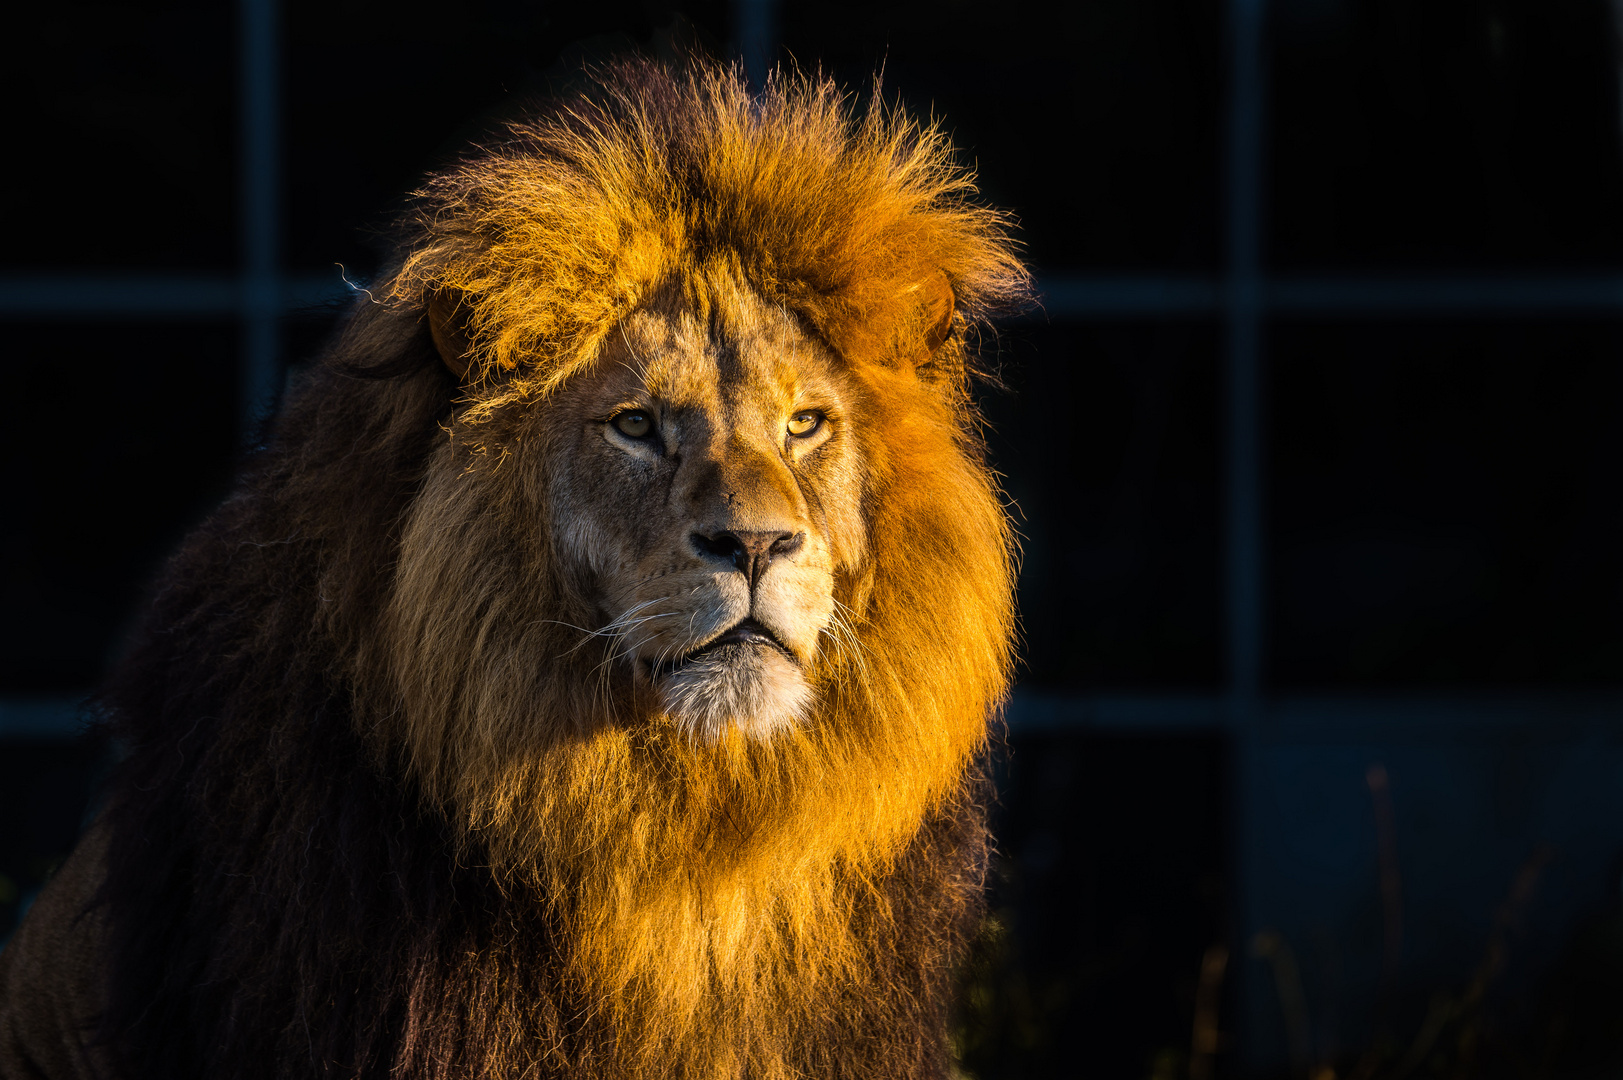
754,687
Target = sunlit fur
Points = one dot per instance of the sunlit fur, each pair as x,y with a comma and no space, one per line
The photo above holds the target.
552,233
765,688
719,893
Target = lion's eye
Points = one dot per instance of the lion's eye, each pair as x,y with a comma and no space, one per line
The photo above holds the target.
635,423
802,424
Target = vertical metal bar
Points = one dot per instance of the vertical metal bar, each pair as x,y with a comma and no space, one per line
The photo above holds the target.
1243,301
1243,557
755,25
259,207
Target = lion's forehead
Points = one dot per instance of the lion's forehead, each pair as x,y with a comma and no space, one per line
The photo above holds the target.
738,370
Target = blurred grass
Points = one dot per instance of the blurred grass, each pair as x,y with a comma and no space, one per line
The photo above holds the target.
1017,1008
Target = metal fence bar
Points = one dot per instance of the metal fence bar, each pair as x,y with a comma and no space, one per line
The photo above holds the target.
1306,719
1033,712
81,297
43,719
1477,297
1064,298
1242,296
259,206
1126,296
755,26
1243,299
1299,719
1371,296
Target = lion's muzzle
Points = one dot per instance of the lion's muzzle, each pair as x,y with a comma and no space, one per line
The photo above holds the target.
742,635
756,602
749,551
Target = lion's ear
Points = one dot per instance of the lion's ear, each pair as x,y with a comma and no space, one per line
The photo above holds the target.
933,315
906,328
448,324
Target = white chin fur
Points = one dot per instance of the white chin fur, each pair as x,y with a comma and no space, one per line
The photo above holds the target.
753,686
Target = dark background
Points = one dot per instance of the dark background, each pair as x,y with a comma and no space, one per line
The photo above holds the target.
1400,854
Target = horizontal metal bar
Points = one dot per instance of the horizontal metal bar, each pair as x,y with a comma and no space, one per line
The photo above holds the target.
1062,298
42,718
1079,297
1480,296
1484,296
141,297
1032,712
1312,718
46,297
1289,718
1548,713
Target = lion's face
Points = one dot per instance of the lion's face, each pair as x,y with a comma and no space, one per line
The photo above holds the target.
707,490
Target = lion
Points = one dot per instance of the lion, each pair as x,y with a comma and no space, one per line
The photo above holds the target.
594,671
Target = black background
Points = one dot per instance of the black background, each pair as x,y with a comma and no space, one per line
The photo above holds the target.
1442,507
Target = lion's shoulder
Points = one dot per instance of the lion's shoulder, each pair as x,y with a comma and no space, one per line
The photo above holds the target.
51,983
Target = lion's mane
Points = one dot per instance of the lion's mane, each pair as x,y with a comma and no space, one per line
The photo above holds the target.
381,815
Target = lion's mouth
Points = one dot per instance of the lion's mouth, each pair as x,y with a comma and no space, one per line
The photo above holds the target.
740,635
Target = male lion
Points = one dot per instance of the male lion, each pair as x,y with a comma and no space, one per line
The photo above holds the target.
588,676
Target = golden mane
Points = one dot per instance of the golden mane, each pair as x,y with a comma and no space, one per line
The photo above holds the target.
709,897
557,229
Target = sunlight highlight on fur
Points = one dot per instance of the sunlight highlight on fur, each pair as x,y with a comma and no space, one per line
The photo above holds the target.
575,220
763,694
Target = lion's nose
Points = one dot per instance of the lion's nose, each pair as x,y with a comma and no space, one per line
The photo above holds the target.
749,552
